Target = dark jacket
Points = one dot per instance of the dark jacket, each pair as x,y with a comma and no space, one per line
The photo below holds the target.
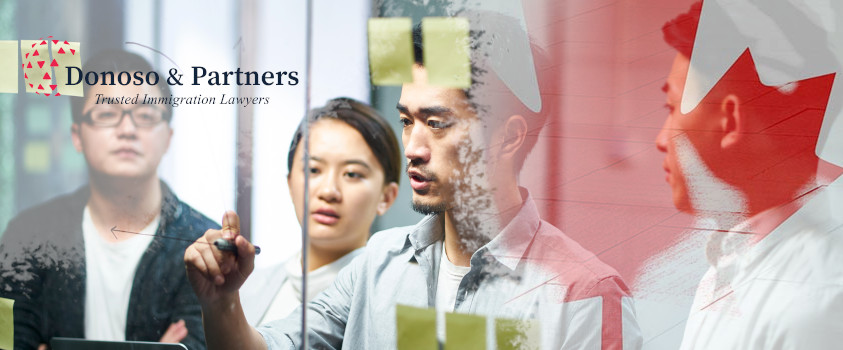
42,267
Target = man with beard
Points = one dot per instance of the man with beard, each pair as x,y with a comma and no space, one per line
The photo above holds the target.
482,248
744,159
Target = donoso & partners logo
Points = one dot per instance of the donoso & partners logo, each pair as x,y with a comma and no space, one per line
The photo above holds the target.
43,64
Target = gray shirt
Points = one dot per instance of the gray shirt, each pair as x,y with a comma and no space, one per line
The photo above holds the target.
530,271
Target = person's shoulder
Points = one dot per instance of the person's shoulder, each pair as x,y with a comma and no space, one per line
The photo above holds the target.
578,270
807,320
395,237
811,244
54,212
48,233
181,218
194,217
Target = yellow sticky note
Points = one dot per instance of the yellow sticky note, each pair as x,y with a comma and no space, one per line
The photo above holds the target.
517,334
9,66
415,328
66,54
35,57
390,50
466,332
7,324
36,157
446,55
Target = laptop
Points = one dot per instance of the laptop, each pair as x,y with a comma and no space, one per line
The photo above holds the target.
59,343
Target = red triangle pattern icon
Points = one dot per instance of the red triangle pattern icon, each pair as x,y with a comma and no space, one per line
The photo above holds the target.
29,60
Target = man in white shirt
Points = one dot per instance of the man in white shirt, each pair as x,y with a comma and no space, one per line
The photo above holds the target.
744,159
69,271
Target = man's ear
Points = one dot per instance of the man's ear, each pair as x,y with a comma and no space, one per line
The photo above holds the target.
169,136
388,196
289,185
733,124
75,129
515,132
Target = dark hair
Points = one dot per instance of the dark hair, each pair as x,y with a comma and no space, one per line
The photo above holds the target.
115,60
680,32
742,80
480,76
363,118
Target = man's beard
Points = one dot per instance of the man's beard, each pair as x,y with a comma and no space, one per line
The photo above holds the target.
429,209
714,201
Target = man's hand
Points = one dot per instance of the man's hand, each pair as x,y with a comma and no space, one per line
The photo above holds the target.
214,274
175,333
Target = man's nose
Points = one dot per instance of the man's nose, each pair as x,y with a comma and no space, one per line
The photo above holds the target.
127,127
417,149
663,137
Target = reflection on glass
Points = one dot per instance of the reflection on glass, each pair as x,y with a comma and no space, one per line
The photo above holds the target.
70,270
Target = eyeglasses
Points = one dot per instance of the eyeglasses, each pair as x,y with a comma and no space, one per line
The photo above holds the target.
109,116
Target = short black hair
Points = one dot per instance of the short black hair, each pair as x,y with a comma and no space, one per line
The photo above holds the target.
681,31
372,126
479,37
115,60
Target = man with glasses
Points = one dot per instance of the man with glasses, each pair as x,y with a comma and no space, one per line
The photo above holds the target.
69,271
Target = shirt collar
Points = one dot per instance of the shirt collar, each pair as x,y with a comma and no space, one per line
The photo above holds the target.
429,230
510,246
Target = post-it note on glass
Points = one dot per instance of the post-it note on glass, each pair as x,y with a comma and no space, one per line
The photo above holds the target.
7,324
517,334
465,332
415,328
446,55
35,60
9,66
67,54
390,51
36,157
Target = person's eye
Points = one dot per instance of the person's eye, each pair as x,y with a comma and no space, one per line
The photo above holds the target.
437,124
354,175
314,170
147,117
405,122
104,115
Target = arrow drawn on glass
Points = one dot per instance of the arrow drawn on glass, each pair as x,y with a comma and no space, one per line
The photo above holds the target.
221,244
